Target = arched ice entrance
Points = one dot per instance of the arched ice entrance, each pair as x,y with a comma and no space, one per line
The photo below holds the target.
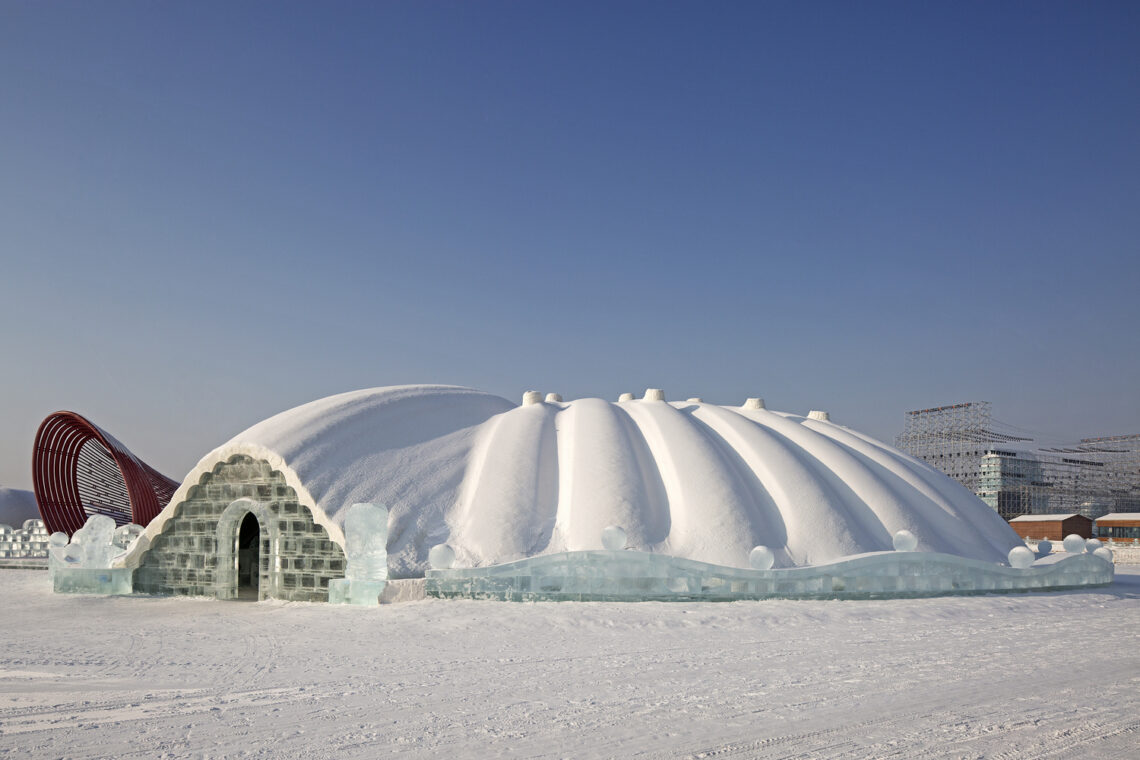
246,532
248,564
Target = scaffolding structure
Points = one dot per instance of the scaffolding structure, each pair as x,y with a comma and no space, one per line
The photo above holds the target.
953,438
1015,477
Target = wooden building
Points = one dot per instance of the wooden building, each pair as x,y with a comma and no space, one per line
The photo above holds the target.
1119,526
1052,527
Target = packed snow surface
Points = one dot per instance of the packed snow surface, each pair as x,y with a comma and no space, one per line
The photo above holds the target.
499,482
1053,675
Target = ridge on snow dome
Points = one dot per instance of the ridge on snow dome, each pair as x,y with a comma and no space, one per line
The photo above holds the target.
499,481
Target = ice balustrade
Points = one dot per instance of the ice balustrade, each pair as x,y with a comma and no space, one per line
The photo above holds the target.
366,550
28,542
616,574
83,564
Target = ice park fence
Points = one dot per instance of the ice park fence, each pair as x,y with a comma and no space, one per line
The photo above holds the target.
195,552
624,575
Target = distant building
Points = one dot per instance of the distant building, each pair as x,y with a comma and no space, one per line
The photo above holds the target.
1016,477
1119,526
1012,485
1051,527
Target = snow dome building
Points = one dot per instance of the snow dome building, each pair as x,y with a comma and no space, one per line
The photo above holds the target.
500,482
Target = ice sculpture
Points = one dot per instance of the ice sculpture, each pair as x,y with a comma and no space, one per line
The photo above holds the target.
1073,544
1044,547
441,557
1021,557
1092,545
84,565
761,558
904,541
366,549
614,538
28,542
1104,553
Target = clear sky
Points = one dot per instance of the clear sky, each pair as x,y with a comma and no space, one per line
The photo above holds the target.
214,211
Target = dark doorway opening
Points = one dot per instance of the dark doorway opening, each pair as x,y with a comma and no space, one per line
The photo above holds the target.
249,565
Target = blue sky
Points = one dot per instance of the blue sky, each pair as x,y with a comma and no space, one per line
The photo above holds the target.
210,212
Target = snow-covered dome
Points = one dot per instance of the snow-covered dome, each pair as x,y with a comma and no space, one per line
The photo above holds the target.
499,481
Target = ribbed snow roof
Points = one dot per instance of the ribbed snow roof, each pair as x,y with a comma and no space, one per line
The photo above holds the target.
691,479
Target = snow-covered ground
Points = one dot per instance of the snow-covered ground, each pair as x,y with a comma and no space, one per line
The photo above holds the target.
1033,675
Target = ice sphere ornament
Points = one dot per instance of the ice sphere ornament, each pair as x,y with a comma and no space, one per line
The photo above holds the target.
1104,553
58,539
441,557
126,534
366,542
1021,557
1044,547
613,538
904,541
761,558
1092,545
1073,544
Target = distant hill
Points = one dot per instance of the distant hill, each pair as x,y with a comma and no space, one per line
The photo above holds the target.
17,506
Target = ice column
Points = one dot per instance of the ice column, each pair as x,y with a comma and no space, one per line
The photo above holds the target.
366,549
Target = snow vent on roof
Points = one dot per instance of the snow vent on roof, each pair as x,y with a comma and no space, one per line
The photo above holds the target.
654,394
754,403
816,414
625,397
554,398
531,397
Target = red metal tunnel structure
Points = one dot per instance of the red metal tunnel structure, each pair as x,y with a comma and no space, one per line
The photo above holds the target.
79,470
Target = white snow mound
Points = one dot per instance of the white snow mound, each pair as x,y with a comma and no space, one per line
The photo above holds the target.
16,506
499,482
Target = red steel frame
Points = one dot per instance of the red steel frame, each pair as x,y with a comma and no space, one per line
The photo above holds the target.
79,470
